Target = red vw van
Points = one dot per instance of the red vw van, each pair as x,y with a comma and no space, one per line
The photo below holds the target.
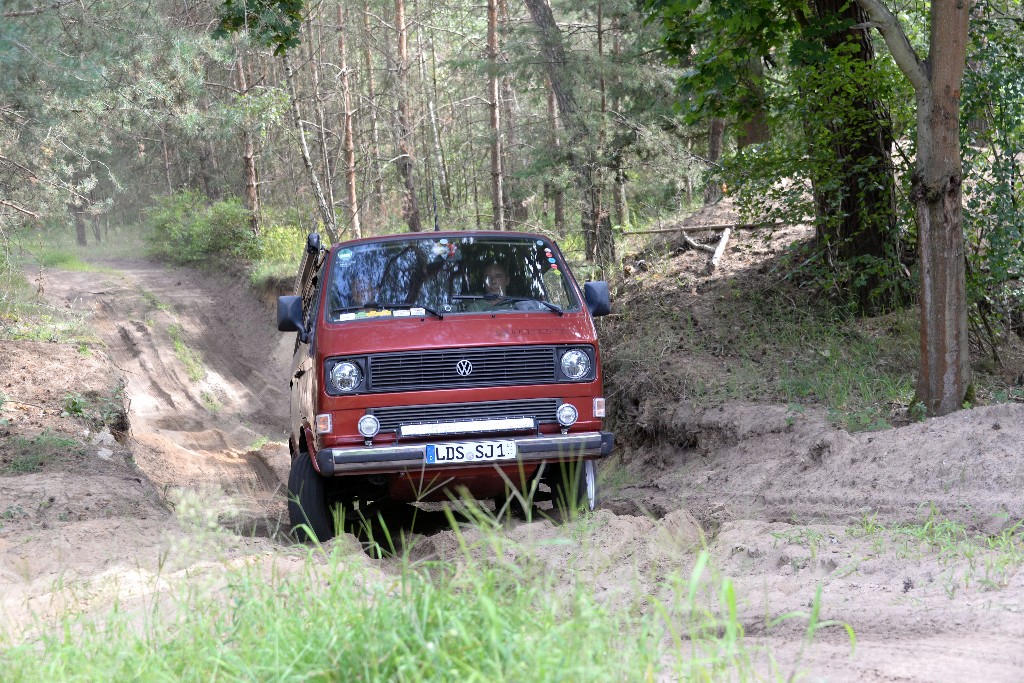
435,364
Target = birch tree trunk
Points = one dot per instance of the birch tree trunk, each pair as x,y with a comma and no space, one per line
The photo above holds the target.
326,212
318,110
350,151
371,97
945,372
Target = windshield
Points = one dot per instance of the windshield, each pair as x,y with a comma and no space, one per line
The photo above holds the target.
447,276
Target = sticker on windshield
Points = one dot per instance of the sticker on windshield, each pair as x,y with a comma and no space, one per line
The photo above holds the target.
416,311
345,254
346,316
540,243
400,313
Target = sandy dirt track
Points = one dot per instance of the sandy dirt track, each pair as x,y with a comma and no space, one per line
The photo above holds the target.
784,502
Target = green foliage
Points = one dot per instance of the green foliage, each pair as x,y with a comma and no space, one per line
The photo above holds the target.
992,139
185,229
274,23
21,455
278,249
98,409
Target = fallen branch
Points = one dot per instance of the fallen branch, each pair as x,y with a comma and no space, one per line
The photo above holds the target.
718,226
694,244
719,250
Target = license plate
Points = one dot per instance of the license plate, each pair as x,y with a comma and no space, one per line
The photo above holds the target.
470,452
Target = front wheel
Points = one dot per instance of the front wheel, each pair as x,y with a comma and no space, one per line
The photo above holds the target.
308,510
574,486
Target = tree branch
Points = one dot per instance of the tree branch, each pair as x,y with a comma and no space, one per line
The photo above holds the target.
902,51
14,14
18,208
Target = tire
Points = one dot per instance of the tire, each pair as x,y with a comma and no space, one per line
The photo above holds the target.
574,486
308,510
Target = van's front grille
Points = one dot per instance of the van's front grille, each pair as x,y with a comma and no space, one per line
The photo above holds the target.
541,409
459,368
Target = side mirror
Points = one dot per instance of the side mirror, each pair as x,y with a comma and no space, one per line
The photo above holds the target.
289,315
599,301
313,244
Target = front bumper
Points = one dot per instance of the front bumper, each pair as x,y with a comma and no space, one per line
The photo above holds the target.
341,461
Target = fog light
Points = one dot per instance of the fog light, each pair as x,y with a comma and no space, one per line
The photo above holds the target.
368,426
323,423
566,414
598,407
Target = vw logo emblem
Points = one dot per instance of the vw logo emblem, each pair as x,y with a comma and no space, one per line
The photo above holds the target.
464,368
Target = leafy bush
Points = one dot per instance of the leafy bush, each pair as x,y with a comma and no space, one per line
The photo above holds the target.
281,244
185,229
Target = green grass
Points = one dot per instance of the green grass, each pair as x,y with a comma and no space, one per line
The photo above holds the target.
970,559
486,615
22,456
192,359
210,402
154,301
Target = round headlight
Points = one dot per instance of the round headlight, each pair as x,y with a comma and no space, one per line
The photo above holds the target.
368,426
575,364
566,414
346,376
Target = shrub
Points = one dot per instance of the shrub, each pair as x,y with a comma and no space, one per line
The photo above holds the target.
185,229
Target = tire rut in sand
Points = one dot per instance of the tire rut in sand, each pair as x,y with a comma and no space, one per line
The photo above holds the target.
197,427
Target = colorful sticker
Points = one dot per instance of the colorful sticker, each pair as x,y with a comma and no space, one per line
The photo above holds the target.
540,243
345,254
551,260
377,314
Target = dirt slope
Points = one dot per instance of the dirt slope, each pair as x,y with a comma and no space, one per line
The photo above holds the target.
784,502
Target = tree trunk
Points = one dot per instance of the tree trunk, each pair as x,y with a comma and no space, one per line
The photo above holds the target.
326,211
81,237
405,161
716,132
621,205
430,92
596,223
945,373
350,150
494,108
860,219
938,197
371,96
313,55
252,196
557,195
755,128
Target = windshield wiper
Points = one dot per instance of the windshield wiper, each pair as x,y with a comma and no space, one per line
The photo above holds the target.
378,306
498,298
